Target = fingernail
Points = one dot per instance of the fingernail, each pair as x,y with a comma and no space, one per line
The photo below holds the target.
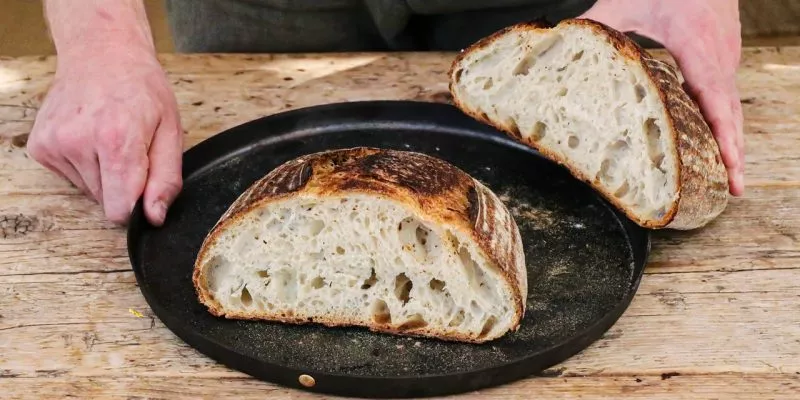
160,211
740,182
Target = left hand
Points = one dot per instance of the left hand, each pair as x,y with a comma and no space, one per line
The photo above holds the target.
704,37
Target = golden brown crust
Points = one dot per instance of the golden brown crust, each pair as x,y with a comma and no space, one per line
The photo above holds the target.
702,179
430,186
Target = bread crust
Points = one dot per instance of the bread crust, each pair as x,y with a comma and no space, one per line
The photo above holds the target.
435,190
702,180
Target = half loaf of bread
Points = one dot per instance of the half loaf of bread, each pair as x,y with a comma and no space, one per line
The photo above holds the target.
590,98
394,241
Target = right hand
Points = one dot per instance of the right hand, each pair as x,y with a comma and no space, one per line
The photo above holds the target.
110,125
705,39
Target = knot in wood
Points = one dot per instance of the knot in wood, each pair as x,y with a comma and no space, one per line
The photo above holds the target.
13,226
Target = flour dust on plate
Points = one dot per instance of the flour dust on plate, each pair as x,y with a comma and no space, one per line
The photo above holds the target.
584,259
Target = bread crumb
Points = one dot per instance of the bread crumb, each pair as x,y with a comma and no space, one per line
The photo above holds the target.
417,344
135,313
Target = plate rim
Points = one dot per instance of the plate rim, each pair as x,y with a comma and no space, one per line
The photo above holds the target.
191,338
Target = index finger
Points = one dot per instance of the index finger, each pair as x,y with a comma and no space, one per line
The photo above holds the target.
123,171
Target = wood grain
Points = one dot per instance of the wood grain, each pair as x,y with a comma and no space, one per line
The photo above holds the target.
717,314
636,387
666,327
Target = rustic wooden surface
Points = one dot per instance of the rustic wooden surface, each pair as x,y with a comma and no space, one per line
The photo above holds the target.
717,315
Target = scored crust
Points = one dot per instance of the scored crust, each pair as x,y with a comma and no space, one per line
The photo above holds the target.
701,177
429,186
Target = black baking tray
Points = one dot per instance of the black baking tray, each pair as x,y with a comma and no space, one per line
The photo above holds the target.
585,259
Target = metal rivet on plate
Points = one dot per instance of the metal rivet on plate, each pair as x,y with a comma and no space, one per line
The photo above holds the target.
307,381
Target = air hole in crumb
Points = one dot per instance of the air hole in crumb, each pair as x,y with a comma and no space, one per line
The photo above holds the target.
245,297
339,250
653,137
263,274
402,287
371,281
618,147
562,92
619,88
315,227
539,131
595,58
458,319
577,56
453,240
422,235
542,50
487,327
525,64
604,175
511,125
573,142
488,83
318,282
640,92
416,238
415,321
458,74
436,285
622,190
380,312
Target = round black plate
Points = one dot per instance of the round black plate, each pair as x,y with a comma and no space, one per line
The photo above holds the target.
584,259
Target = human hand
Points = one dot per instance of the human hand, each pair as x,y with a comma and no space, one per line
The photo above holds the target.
704,37
110,125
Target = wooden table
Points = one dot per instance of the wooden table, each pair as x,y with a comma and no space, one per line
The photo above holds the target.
717,314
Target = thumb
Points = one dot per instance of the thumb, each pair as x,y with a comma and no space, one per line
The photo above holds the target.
605,12
164,180
624,16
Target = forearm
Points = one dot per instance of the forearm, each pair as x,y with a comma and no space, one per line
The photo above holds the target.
77,26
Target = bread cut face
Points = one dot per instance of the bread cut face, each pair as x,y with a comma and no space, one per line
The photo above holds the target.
394,241
590,98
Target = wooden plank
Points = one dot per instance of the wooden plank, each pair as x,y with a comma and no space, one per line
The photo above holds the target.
64,251
219,92
51,213
60,231
759,231
719,306
635,387
768,162
689,323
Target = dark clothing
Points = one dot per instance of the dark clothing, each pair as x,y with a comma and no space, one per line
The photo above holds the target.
259,26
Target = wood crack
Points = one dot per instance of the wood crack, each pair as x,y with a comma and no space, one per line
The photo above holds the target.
8,328
86,271
662,293
724,270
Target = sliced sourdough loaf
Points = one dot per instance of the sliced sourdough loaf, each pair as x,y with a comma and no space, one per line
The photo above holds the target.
394,241
588,97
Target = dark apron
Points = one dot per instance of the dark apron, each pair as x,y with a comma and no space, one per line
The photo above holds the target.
257,26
